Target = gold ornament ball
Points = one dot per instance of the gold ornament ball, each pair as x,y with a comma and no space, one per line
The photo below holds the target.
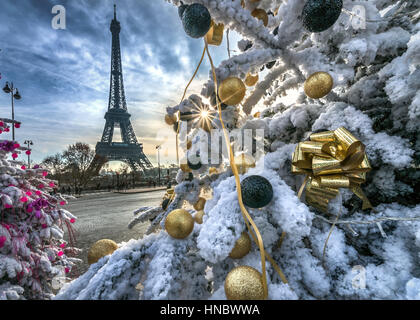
101,249
232,91
198,217
170,120
318,85
251,80
179,224
244,283
257,114
243,162
242,247
199,205
261,15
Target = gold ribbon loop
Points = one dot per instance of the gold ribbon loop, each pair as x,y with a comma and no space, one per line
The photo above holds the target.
312,147
331,160
335,181
300,160
357,177
326,136
298,170
316,188
348,141
353,161
357,190
324,165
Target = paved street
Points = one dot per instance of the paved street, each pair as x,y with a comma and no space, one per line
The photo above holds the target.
106,216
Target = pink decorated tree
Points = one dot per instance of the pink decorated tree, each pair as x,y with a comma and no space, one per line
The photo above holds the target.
33,253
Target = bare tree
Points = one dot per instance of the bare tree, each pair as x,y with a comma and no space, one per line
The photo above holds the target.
78,158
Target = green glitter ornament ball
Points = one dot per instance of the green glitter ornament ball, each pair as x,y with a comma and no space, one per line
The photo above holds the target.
319,15
196,20
257,191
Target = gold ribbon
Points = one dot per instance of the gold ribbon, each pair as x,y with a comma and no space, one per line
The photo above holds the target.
182,99
255,233
331,160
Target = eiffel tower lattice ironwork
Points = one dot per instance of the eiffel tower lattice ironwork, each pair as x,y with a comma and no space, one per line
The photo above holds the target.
129,150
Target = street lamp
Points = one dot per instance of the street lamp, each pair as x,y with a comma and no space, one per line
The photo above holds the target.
28,144
158,149
14,93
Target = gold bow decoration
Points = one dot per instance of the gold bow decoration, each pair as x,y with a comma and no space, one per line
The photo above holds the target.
331,160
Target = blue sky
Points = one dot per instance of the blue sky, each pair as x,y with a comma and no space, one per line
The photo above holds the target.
63,75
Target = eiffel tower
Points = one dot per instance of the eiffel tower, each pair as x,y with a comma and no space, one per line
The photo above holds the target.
130,150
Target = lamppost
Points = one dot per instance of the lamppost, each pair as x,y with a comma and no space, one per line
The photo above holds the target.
158,149
28,144
14,93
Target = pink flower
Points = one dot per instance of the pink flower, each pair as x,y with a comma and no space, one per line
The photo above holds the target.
41,186
60,253
63,245
17,125
16,145
28,193
62,203
14,155
28,152
72,220
2,241
44,226
1,131
51,184
6,129
8,206
66,270
44,173
23,167
1,124
29,210
38,193
24,199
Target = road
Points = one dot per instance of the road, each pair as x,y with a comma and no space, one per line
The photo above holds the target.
106,216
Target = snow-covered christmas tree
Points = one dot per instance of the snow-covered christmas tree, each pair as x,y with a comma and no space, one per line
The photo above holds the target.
34,258
332,204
